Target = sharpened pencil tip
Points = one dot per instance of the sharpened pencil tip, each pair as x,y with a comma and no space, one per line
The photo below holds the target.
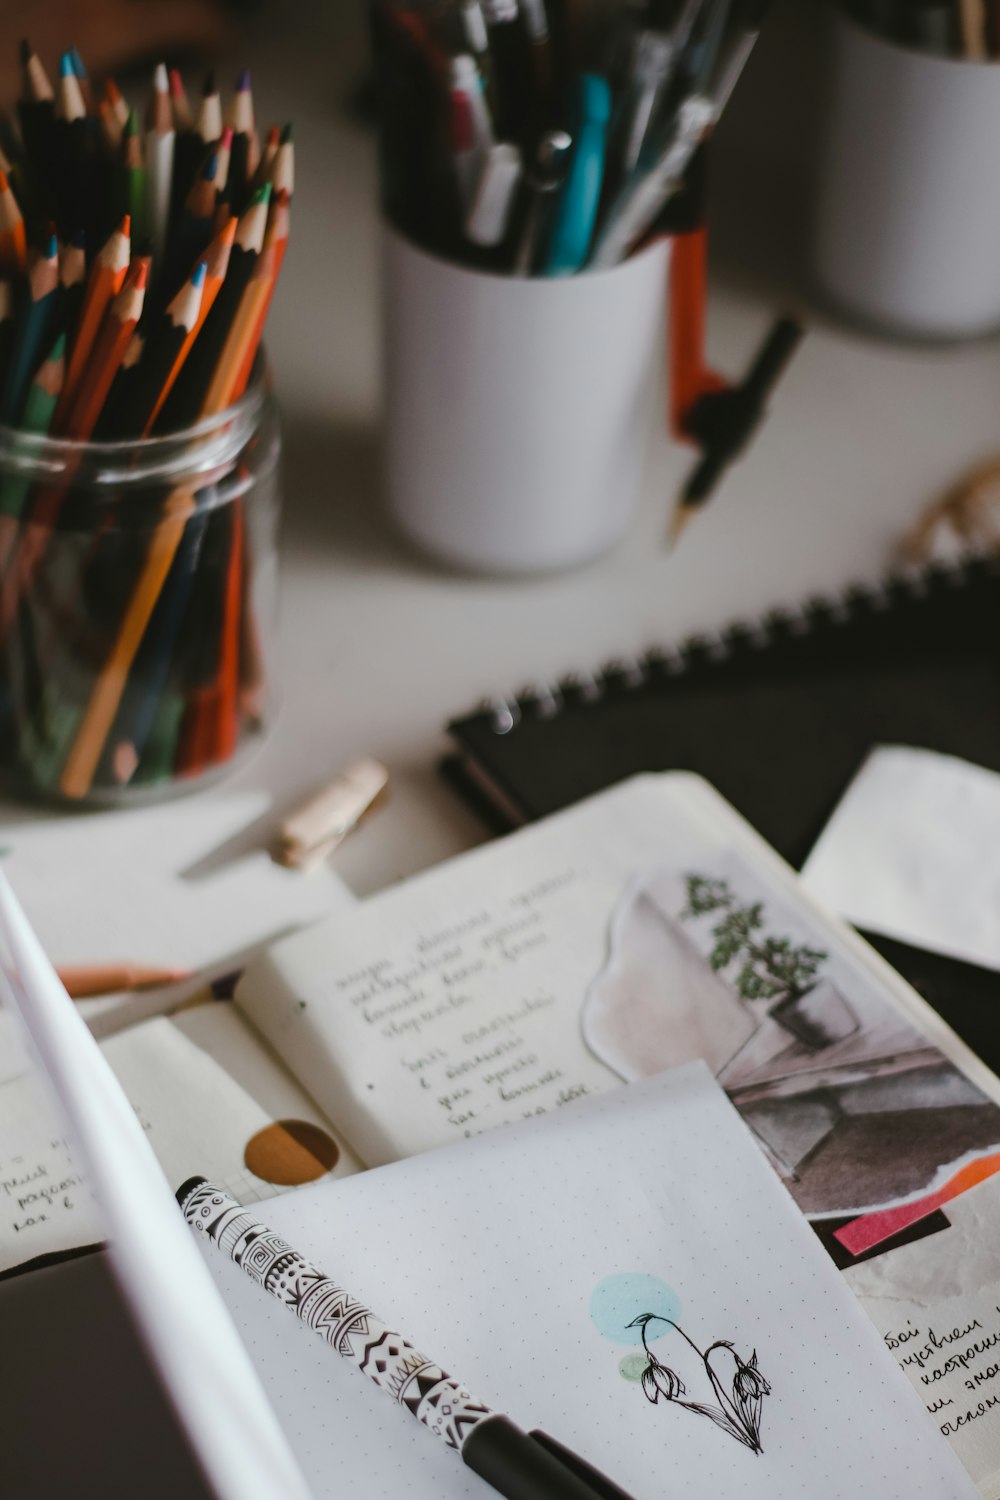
262,195
66,68
79,240
208,87
4,183
176,83
58,350
25,51
286,134
125,227
132,123
51,249
199,273
210,168
227,138
161,82
78,64
243,82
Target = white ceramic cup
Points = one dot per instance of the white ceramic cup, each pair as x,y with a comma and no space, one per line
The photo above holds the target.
907,228
518,411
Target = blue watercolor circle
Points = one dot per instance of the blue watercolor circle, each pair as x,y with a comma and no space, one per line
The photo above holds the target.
618,1299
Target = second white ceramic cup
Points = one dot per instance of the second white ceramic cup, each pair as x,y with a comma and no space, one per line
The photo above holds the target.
907,229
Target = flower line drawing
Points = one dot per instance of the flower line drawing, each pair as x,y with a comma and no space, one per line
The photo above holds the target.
738,1384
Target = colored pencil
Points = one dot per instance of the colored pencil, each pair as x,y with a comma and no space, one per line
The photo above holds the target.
107,275
72,273
216,262
32,331
282,177
185,406
208,123
246,146
36,419
167,345
108,351
87,981
81,763
74,147
276,242
132,188
7,324
160,137
13,236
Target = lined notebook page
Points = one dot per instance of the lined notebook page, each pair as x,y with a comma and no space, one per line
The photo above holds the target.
517,1259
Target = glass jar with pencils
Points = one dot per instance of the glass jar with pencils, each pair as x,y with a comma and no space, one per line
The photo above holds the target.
138,442
137,599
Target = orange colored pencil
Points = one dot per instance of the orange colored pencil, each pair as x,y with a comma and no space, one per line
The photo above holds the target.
117,102
216,259
227,722
13,238
86,981
108,351
228,381
276,240
81,763
107,277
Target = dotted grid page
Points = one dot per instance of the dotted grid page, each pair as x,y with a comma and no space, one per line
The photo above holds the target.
518,1260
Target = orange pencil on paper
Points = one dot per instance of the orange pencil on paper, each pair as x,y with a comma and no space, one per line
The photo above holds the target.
87,981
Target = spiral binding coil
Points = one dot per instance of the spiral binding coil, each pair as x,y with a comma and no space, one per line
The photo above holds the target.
819,612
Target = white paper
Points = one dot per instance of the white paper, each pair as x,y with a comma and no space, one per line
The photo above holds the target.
487,1256
937,1304
201,1083
192,1341
127,886
911,852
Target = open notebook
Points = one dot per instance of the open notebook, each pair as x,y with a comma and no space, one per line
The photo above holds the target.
645,928
636,931
522,1260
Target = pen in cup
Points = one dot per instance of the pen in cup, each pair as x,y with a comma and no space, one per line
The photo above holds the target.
517,1464
542,183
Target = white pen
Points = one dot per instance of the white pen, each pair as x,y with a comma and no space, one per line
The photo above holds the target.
470,127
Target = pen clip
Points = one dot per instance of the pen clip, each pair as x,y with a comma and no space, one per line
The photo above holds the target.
599,1484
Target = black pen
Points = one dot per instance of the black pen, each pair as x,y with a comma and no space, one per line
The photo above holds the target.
722,421
520,1465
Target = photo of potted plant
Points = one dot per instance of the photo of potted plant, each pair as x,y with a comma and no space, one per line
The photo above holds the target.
766,967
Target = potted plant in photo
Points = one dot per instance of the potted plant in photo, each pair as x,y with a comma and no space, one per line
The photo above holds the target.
766,967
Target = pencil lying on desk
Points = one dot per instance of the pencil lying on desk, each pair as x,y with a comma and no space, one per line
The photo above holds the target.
89,981
520,1465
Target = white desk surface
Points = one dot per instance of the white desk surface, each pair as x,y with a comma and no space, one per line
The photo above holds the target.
378,648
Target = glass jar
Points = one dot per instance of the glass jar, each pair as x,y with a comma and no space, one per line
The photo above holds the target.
137,600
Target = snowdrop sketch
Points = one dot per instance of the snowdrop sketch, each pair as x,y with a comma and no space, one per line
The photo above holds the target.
738,1384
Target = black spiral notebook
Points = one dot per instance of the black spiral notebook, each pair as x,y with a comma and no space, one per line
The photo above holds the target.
778,716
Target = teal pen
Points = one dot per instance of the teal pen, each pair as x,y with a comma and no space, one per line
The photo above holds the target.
576,211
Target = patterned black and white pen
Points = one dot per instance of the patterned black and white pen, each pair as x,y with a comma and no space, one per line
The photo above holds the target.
520,1465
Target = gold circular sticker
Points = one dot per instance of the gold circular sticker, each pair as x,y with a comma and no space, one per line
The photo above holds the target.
290,1152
